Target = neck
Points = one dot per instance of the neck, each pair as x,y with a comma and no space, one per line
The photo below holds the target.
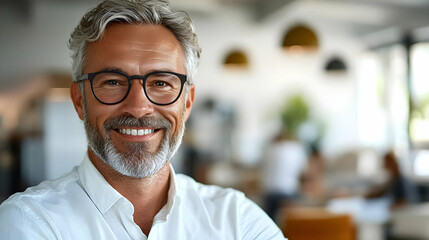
148,195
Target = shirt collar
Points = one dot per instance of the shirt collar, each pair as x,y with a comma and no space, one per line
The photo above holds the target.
105,196
173,198
98,189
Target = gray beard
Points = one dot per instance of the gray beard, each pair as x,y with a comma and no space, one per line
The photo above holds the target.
135,161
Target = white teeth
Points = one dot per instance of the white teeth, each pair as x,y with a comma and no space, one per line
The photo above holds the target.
136,132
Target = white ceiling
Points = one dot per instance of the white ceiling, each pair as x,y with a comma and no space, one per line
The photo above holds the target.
365,15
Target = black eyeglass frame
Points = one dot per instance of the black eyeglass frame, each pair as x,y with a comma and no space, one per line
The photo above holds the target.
91,76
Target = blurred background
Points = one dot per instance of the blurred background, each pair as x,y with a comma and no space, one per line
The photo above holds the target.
318,110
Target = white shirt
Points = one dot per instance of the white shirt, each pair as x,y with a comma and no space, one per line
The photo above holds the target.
284,164
82,205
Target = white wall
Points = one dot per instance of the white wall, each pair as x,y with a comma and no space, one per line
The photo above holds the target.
274,74
64,138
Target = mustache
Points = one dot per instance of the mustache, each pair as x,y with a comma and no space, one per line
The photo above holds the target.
130,121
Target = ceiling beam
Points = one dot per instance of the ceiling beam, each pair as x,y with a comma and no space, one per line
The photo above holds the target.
263,8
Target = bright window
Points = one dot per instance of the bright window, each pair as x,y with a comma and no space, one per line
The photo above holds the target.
419,122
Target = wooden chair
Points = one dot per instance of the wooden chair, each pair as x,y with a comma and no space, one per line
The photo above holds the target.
317,224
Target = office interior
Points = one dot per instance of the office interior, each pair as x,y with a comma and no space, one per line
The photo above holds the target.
344,80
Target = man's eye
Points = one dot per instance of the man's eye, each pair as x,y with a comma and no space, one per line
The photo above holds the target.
160,84
112,82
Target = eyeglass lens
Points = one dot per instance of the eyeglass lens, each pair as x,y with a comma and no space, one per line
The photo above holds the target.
161,88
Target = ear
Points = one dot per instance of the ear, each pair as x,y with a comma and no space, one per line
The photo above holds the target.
77,99
189,101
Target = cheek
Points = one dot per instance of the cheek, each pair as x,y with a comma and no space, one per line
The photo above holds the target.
98,113
176,119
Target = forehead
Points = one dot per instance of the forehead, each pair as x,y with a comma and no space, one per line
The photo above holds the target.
140,45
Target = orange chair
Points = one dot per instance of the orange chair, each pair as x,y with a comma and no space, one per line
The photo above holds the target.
310,224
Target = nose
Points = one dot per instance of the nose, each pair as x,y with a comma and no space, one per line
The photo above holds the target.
136,103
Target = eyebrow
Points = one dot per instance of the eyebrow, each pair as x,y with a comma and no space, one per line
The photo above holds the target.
112,69
124,72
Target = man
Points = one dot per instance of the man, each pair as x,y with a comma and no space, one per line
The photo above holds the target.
134,63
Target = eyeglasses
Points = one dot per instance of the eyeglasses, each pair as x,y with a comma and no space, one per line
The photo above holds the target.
112,87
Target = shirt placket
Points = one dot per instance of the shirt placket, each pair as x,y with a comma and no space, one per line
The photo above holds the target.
125,212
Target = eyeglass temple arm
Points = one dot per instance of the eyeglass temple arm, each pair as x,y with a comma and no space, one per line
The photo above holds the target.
83,77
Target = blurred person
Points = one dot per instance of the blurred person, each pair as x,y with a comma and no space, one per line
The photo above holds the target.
284,163
134,64
393,187
313,177
374,205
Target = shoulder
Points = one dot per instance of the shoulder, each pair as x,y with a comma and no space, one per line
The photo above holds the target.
230,207
215,201
27,214
43,193
189,188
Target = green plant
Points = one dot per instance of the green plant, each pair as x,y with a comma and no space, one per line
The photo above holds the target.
293,114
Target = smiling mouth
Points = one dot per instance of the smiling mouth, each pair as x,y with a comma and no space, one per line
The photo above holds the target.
136,132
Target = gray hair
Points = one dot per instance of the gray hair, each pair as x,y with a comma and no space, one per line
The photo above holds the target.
157,12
